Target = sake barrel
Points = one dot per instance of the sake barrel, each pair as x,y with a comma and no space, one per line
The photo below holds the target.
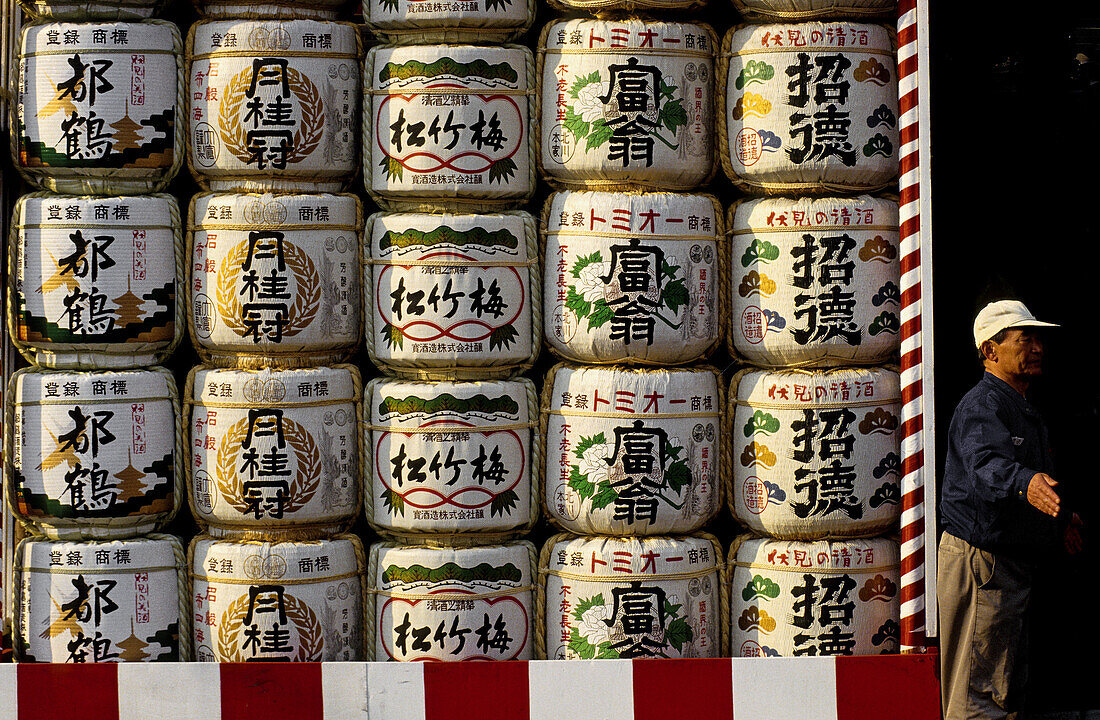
281,9
631,278
628,6
97,106
793,598
448,126
292,601
101,601
815,281
809,107
626,104
790,10
84,10
816,454
453,296
275,278
95,280
451,603
93,454
451,458
274,104
632,452
274,452
425,21
610,597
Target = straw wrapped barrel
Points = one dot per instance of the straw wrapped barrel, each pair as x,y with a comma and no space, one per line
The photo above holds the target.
816,454
97,106
274,278
93,454
449,127
809,108
289,601
791,598
631,598
101,601
483,598
814,281
95,280
634,452
626,104
429,21
273,104
275,453
451,459
632,278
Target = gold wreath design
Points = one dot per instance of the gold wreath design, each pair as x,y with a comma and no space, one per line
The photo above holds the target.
306,137
310,644
308,289
302,487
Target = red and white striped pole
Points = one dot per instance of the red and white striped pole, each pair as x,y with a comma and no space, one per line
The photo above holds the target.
912,376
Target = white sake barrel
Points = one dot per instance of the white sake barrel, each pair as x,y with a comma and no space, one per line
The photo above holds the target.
277,601
815,281
274,104
87,10
601,7
821,598
631,278
790,10
632,452
453,296
274,452
627,104
448,126
98,106
275,278
93,454
451,458
95,280
101,601
809,107
609,597
280,9
451,603
427,21
816,454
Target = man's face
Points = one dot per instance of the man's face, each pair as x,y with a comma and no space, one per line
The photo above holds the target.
1021,353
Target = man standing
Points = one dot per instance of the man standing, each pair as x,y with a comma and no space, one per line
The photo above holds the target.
999,505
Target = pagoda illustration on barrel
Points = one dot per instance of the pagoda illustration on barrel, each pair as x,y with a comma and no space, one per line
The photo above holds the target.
93,454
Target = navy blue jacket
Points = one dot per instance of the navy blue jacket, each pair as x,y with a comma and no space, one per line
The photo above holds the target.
996,443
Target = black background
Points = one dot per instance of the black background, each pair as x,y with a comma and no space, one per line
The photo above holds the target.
1014,90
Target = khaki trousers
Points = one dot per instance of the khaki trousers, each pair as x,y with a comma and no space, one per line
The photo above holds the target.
983,600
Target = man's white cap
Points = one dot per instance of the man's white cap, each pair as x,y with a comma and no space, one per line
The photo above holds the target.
1002,315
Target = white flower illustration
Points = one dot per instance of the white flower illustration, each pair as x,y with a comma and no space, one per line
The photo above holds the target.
592,626
593,464
590,285
589,105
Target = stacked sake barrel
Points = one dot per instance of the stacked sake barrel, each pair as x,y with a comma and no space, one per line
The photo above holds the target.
273,413
808,125
453,319
93,457
632,420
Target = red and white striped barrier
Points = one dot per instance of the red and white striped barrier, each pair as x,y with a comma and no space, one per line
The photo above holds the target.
912,361
900,687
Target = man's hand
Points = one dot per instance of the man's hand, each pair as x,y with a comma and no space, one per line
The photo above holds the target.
1040,493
